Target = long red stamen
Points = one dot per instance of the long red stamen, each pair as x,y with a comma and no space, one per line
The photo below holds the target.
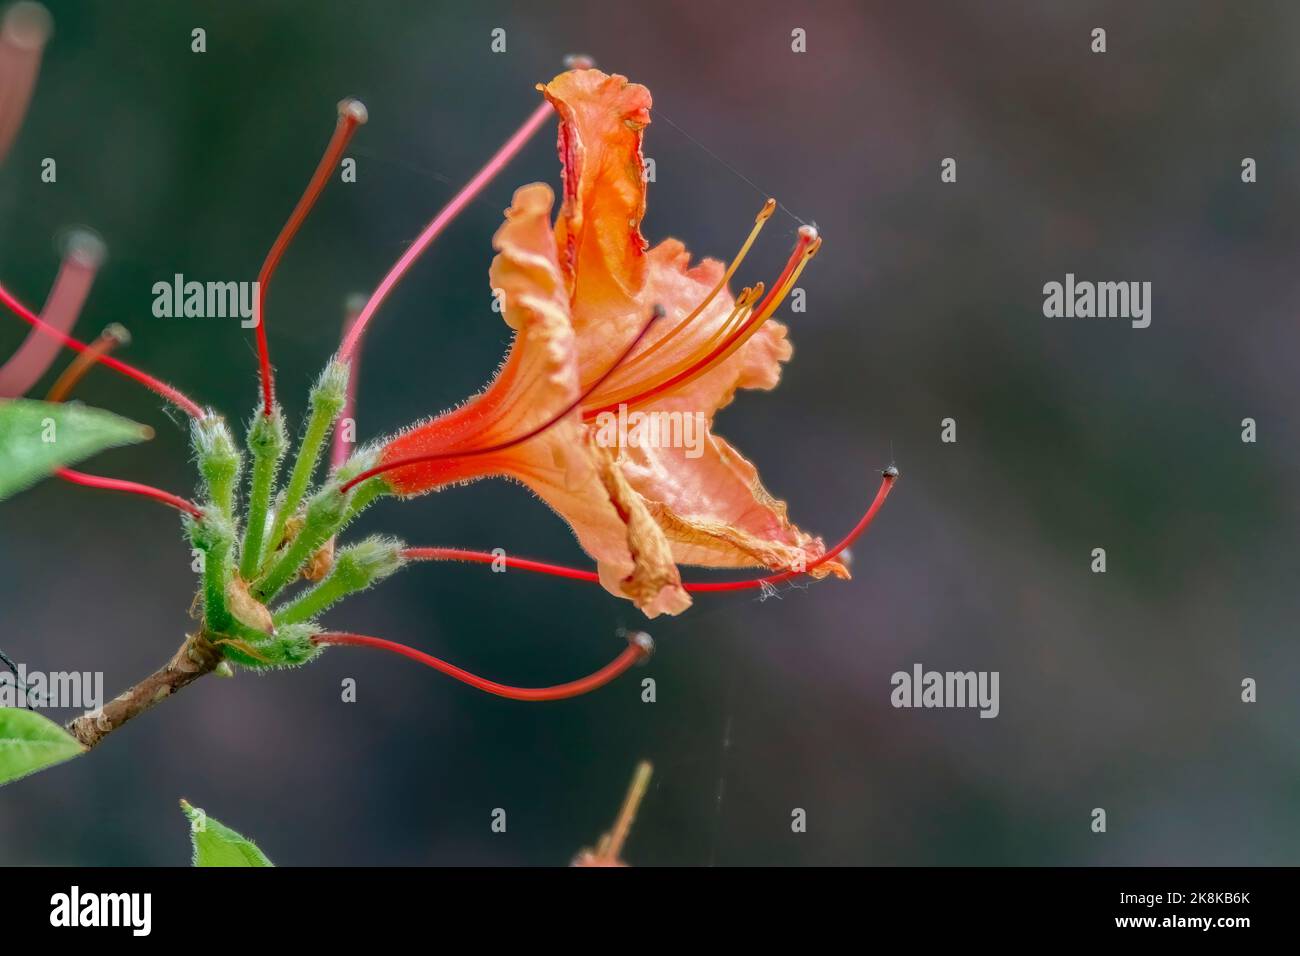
351,115
440,222
578,574
486,557
638,649
655,315
159,387
339,452
81,262
130,487
23,33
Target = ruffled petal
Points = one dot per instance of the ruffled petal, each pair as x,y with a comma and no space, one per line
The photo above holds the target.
598,231
539,378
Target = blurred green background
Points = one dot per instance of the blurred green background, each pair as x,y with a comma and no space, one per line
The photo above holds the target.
1118,690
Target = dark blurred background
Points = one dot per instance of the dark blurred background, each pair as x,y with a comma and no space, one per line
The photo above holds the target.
1119,690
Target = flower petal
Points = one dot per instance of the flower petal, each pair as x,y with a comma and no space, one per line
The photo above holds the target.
598,231
538,379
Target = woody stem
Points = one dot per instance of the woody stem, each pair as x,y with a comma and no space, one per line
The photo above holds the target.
196,657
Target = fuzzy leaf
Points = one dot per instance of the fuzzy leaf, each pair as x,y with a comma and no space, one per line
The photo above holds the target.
215,844
38,437
30,742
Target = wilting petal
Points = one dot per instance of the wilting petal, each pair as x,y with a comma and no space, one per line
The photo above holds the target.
598,231
710,503
715,512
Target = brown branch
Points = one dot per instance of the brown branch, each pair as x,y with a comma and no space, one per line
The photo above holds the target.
196,657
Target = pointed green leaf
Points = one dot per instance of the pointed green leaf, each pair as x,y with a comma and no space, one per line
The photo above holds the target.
38,437
215,844
30,742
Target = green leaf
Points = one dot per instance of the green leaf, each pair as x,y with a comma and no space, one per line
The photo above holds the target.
215,844
38,437
30,742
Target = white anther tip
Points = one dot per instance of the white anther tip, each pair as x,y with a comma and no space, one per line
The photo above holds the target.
579,61
354,108
643,642
26,25
84,246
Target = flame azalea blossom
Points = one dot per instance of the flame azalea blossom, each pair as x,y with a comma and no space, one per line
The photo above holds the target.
605,328
577,293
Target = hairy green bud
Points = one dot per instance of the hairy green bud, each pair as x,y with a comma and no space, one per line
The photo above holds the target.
267,442
219,460
290,646
328,396
327,511
356,568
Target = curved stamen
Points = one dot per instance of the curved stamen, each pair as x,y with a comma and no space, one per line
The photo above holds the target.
71,377
740,313
562,571
518,440
352,113
130,487
687,371
159,387
339,451
23,33
439,222
759,221
639,648
84,252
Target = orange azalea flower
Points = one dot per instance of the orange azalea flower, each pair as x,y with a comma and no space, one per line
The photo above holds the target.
579,295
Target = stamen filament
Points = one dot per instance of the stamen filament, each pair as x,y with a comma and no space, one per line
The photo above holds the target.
63,305
71,377
578,574
339,453
634,653
444,218
130,487
351,115
738,315
804,251
23,33
759,221
159,387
